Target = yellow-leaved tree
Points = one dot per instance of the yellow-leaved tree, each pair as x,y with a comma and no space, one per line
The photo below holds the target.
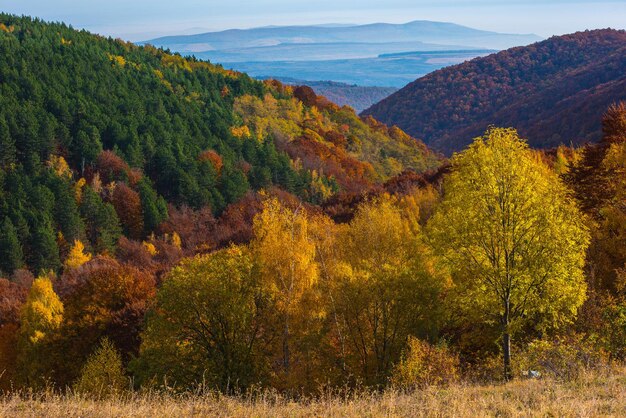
387,289
41,316
102,374
285,255
511,235
77,256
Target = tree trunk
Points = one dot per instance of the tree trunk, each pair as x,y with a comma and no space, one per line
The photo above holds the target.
506,342
286,344
506,349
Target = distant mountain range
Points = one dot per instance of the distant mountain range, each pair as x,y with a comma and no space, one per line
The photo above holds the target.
417,32
321,51
553,91
352,54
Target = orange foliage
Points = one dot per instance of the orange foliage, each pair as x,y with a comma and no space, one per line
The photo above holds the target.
194,228
12,297
111,167
134,253
235,224
104,297
240,131
214,158
134,175
350,173
335,137
127,204
614,123
6,29
278,87
307,96
342,206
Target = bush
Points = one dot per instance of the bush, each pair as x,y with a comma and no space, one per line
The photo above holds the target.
103,374
562,358
484,369
423,364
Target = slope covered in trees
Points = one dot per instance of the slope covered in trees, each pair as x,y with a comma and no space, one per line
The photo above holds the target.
323,267
554,92
98,137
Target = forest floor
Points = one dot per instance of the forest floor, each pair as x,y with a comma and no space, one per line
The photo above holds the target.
592,395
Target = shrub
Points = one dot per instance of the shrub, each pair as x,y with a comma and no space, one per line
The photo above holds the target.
423,364
562,358
103,374
483,369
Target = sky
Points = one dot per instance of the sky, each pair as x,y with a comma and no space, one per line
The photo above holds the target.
137,20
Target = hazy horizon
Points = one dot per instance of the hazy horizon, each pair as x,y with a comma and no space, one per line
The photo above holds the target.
144,19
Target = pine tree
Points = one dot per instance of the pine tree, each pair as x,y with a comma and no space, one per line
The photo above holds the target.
11,256
234,185
7,144
45,251
103,226
66,212
88,146
154,208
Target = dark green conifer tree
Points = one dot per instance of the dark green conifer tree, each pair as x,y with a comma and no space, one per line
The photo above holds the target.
44,251
153,207
11,256
102,224
7,145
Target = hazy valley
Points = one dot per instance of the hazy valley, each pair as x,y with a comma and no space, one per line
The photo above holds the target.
376,55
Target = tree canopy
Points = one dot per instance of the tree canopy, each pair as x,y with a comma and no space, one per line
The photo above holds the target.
512,236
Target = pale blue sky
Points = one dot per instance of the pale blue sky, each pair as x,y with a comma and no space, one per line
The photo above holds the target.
142,19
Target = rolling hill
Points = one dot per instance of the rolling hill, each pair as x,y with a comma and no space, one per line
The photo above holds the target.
554,92
100,139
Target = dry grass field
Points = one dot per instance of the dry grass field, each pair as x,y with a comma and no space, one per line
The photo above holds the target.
590,396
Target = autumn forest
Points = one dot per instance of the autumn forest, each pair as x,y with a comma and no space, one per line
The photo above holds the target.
167,224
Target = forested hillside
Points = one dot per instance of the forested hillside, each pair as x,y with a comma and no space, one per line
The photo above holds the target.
98,137
167,226
554,92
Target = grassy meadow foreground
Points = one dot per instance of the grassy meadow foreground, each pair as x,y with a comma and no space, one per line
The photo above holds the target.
591,395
